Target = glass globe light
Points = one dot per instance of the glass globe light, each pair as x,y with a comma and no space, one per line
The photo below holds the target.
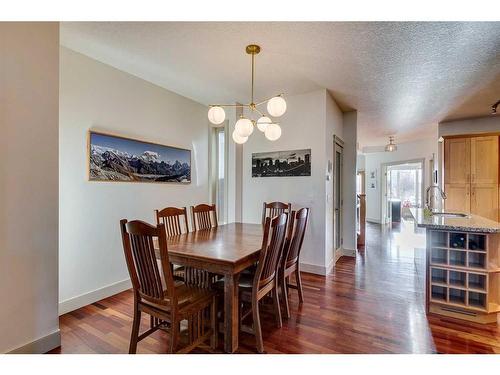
276,106
244,127
391,146
263,122
237,139
273,132
216,115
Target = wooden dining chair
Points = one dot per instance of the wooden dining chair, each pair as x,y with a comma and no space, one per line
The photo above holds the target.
168,302
274,209
291,254
265,280
204,216
175,222
174,219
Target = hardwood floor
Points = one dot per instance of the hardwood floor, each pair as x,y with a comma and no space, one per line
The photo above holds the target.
373,304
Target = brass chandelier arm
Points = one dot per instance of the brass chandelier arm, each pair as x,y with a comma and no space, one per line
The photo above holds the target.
257,110
265,100
229,105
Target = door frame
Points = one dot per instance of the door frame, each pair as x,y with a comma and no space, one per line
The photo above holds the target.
338,144
383,186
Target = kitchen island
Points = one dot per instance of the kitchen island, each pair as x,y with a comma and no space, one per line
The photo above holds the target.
462,265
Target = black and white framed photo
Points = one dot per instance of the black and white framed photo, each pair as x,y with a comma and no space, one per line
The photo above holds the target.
282,163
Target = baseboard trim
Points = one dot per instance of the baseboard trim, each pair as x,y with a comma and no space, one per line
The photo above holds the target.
349,252
313,268
338,255
371,220
40,346
93,296
330,266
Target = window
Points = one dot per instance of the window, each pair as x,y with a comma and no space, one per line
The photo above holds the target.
221,165
405,184
218,165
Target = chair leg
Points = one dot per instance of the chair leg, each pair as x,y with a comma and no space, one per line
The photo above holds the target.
276,303
174,335
134,336
284,293
298,280
214,324
256,326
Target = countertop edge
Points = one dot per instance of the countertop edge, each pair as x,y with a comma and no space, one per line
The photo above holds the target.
417,215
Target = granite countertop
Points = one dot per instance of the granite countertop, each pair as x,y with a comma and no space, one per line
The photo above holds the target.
472,223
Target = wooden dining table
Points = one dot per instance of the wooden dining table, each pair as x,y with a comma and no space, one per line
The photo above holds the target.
225,250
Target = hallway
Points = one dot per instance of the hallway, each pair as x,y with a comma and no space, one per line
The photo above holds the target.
373,304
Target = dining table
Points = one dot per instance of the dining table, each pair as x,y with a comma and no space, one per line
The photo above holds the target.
224,250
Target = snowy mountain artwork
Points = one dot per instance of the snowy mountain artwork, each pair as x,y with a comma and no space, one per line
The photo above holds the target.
113,158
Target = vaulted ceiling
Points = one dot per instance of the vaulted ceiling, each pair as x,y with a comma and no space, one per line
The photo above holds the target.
401,77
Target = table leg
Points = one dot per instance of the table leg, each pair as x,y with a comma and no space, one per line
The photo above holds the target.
231,324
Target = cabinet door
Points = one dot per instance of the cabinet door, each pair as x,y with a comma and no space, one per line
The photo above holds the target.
484,200
484,160
457,174
458,197
457,161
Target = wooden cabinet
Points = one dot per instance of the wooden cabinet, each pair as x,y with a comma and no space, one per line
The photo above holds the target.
457,161
463,275
458,197
471,175
457,174
484,160
484,200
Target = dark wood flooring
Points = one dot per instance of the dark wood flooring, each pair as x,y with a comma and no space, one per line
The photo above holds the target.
371,304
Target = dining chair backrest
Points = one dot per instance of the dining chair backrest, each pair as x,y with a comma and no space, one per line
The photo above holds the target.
273,209
272,249
174,219
295,238
204,216
145,272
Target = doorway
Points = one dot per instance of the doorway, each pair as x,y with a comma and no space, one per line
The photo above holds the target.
402,188
338,162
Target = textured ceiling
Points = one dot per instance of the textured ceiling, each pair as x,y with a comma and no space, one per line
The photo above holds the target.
402,78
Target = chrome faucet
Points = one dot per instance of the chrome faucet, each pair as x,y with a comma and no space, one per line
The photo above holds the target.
429,196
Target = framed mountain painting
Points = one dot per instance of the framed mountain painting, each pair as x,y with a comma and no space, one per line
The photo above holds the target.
116,158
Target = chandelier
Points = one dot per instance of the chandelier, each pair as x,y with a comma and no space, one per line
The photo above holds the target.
276,107
391,146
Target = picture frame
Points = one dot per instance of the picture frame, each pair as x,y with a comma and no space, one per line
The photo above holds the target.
116,158
291,163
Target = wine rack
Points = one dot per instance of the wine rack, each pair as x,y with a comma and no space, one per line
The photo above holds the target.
464,272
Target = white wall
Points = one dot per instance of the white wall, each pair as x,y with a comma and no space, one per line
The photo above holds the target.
470,126
349,183
29,85
406,151
310,122
95,95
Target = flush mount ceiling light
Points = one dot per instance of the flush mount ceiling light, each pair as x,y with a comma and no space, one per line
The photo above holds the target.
494,107
276,107
391,146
